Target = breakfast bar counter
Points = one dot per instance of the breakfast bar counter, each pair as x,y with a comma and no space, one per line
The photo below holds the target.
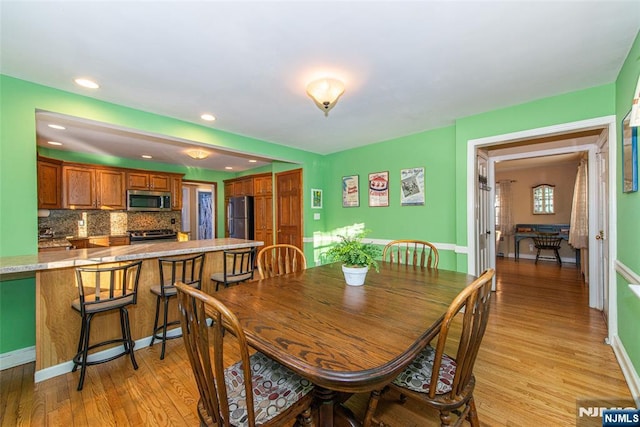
58,325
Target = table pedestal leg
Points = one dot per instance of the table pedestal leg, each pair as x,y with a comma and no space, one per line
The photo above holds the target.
331,412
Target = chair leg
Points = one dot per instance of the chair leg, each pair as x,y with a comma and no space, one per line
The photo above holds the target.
445,418
164,327
155,322
85,349
558,257
305,419
80,347
537,256
473,414
126,336
369,419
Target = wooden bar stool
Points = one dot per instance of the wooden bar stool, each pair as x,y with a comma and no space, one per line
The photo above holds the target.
101,290
186,269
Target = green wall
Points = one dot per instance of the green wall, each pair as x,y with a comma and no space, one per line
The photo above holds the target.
628,220
19,101
442,152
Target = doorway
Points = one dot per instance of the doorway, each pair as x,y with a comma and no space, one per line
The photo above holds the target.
199,210
534,142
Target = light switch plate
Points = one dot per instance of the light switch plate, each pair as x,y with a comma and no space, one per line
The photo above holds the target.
316,216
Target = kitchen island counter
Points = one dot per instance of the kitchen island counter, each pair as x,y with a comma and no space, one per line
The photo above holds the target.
84,257
58,325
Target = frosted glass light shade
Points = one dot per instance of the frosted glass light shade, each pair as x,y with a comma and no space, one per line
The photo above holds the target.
325,93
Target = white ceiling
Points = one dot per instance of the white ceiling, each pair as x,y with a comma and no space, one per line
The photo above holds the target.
407,66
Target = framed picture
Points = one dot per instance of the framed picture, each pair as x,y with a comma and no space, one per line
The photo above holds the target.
350,191
412,187
316,198
379,189
629,156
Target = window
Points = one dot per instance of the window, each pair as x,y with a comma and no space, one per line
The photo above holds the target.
543,196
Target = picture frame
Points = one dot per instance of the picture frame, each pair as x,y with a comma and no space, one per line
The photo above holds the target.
350,191
629,156
316,198
412,187
379,189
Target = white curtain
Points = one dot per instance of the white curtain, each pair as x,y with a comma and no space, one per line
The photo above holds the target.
505,217
579,232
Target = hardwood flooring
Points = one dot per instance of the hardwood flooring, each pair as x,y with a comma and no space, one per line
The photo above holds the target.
543,351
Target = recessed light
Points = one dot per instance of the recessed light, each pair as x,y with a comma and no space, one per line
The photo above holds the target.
54,142
253,161
208,117
146,156
57,127
90,84
228,167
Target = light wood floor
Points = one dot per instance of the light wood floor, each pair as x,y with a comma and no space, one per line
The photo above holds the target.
543,351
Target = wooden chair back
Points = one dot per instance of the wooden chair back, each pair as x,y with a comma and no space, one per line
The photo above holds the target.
276,260
205,344
475,299
547,241
411,252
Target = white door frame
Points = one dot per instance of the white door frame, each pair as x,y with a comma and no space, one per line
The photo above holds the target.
610,123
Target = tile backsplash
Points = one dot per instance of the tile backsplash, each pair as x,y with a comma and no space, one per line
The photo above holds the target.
66,222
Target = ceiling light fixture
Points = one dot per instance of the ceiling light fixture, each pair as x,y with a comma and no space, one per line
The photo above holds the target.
90,84
198,154
325,93
54,142
146,156
52,126
208,117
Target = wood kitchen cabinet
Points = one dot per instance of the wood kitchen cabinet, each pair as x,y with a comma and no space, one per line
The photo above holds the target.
49,184
148,181
176,192
263,208
110,189
79,187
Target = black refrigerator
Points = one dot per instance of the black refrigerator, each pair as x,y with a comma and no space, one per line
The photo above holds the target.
240,217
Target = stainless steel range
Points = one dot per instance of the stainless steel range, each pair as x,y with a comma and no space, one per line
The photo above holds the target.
150,236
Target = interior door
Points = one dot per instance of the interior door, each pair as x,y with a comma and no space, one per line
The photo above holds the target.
483,216
289,207
602,159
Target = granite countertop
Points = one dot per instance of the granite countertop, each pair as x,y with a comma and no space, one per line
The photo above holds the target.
83,257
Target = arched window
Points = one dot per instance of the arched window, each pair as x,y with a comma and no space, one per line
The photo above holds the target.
543,196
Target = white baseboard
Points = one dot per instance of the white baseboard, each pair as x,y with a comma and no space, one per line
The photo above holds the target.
629,372
17,357
567,260
66,367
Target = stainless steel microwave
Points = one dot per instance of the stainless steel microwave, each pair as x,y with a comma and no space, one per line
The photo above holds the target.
149,201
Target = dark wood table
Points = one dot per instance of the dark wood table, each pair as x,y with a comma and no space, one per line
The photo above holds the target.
343,338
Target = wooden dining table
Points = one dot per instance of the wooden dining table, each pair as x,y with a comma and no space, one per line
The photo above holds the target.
345,339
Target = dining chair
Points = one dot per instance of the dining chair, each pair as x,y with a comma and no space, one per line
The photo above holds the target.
276,260
254,391
437,379
411,252
100,290
187,269
547,241
238,266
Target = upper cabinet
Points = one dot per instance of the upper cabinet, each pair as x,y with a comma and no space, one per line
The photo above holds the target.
49,184
84,186
148,181
110,186
79,187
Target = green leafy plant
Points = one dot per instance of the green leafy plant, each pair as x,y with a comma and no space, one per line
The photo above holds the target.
352,252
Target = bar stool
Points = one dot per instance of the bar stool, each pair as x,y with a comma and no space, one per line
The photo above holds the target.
186,269
101,290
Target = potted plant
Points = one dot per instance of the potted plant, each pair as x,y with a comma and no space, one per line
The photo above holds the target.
356,257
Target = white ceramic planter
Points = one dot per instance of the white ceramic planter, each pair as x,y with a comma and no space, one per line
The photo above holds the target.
354,276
